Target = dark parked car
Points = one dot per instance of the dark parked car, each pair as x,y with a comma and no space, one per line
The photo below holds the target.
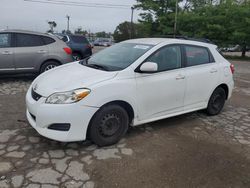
81,48
31,52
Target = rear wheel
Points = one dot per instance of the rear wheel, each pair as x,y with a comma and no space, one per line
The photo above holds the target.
108,125
216,101
48,65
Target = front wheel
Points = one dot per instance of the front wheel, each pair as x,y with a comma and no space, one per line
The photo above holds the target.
108,125
216,101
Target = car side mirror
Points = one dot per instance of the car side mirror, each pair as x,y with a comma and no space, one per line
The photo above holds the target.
148,67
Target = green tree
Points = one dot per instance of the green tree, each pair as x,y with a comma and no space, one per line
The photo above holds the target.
52,25
158,15
125,31
80,31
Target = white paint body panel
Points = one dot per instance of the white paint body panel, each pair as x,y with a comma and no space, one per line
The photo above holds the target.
152,96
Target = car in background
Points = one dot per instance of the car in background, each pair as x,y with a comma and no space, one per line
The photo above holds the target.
103,42
31,52
81,48
236,48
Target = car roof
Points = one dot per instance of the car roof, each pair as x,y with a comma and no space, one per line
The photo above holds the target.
156,41
26,32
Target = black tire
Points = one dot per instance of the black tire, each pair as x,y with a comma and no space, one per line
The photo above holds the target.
216,102
48,65
76,56
108,125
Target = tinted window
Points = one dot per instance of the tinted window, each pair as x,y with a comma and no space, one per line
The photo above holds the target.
27,40
197,55
79,39
48,40
167,58
4,40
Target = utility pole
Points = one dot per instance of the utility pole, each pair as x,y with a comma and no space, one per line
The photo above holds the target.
68,18
175,19
132,18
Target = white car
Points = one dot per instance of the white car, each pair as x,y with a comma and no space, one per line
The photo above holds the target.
131,83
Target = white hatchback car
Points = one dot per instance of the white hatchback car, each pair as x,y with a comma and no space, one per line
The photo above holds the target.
131,83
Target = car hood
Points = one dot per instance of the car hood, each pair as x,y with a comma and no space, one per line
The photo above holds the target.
69,77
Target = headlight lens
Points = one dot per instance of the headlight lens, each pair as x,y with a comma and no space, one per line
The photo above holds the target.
68,97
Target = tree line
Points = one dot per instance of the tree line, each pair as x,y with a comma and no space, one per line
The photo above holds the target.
224,22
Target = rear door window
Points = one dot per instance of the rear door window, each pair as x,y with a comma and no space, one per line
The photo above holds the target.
5,40
28,40
196,55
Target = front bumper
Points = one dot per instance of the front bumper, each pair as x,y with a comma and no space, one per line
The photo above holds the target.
41,115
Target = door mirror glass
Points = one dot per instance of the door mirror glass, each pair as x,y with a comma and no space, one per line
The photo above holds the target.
149,67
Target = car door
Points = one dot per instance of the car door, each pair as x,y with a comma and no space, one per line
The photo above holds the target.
29,52
161,93
6,53
201,74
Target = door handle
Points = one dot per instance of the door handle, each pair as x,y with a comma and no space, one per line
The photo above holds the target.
180,77
41,51
7,53
213,70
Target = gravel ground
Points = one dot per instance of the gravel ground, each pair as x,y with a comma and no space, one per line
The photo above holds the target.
192,150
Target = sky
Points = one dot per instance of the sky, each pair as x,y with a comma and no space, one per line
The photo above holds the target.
20,14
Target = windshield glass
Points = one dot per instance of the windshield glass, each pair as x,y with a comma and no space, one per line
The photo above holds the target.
119,56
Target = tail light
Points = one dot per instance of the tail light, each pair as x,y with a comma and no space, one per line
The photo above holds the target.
89,46
67,50
232,68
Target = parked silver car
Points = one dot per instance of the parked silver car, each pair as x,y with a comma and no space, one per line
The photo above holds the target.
31,52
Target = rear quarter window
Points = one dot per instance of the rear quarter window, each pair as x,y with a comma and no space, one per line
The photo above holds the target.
196,55
48,40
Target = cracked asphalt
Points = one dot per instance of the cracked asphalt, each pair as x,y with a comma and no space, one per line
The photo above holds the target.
192,150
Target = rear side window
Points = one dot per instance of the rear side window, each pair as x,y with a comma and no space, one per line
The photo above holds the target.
79,39
196,55
5,40
27,40
48,40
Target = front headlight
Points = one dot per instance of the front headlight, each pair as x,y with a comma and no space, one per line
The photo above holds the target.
68,97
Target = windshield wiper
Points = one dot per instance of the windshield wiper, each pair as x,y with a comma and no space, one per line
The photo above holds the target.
97,66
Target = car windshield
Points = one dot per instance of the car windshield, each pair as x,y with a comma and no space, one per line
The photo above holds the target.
117,57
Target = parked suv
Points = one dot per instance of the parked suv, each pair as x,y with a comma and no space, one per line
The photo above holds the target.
131,83
31,52
81,48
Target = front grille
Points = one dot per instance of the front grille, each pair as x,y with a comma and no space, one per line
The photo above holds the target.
35,95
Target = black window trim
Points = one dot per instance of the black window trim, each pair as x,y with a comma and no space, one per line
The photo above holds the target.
168,45
211,58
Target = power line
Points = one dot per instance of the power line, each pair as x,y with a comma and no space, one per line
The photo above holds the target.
94,4
73,3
